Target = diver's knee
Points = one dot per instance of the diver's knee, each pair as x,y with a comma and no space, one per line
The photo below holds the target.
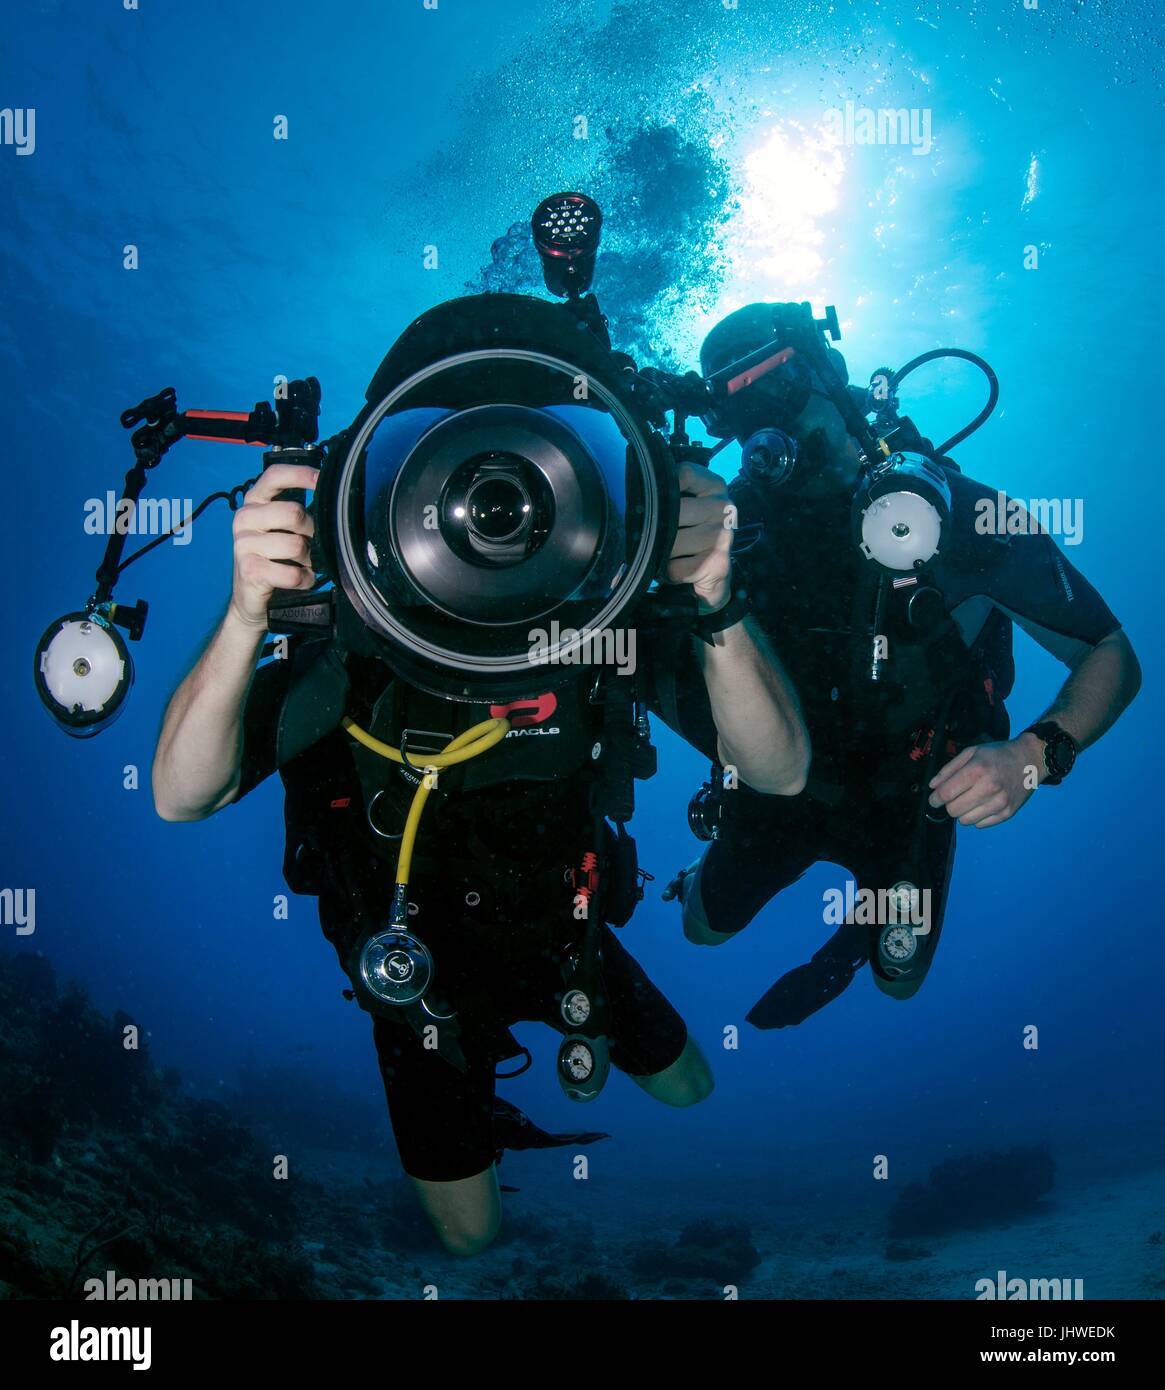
465,1213
698,1084
695,1080
695,919
699,933
686,1082
465,1239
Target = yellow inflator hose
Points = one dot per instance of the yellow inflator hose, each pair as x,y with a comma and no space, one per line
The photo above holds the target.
470,744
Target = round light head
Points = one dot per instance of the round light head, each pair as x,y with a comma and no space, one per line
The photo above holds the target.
83,673
566,228
905,510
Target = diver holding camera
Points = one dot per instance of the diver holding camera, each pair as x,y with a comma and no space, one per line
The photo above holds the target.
893,610
457,792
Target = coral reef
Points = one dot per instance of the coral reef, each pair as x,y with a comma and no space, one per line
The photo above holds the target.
106,1164
979,1189
706,1252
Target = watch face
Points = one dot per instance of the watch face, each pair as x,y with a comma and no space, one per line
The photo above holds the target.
1060,754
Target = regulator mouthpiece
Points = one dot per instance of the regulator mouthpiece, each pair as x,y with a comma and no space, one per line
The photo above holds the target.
769,457
83,673
396,968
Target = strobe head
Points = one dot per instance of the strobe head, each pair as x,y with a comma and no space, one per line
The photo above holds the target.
83,673
499,502
566,228
902,512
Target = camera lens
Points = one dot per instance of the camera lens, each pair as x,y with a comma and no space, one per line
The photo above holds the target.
497,508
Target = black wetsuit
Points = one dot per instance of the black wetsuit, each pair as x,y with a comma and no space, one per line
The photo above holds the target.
874,748
491,885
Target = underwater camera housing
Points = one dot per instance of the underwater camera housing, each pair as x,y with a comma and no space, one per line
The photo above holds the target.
499,500
503,498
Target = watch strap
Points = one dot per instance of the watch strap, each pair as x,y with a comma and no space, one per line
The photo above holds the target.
1048,731
732,612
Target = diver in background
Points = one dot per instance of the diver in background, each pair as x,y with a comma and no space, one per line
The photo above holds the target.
895,767
493,870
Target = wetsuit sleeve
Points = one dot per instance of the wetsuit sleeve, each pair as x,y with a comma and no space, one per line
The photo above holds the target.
261,724
291,705
1030,578
672,686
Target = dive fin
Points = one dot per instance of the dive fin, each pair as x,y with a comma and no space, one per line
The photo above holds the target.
804,990
514,1130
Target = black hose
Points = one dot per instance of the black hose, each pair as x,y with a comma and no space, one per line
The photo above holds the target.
233,498
992,396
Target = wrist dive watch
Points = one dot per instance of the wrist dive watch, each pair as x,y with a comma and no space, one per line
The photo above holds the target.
1059,750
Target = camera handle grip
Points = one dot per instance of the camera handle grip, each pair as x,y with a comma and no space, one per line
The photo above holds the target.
296,610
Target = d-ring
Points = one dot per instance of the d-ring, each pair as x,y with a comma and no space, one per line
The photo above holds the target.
376,830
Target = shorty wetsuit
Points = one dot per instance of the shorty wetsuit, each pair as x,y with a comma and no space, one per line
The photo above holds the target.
491,889
875,750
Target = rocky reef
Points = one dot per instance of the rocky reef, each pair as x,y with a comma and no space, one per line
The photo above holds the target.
973,1190
110,1169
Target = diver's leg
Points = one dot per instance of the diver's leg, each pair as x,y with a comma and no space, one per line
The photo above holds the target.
686,1082
686,887
770,845
465,1212
804,990
649,1040
442,1119
901,958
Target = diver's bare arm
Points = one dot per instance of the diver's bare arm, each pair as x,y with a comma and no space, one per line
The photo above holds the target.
755,708
1096,694
197,761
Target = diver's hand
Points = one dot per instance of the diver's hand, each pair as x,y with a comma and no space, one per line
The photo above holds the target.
987,783
702,552
272,542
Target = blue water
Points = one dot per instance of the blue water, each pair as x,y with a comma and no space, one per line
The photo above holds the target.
412,128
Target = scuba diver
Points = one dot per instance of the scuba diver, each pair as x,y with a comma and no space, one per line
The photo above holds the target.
866,562
495,906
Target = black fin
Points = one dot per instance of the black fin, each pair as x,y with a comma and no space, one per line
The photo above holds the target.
801,992
513,1130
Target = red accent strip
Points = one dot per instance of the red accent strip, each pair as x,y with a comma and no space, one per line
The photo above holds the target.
340,802
738,383
218,439
221,415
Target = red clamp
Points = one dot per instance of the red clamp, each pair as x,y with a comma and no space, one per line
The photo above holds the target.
585,878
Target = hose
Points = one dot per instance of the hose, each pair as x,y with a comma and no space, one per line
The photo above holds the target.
963,355
470,744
